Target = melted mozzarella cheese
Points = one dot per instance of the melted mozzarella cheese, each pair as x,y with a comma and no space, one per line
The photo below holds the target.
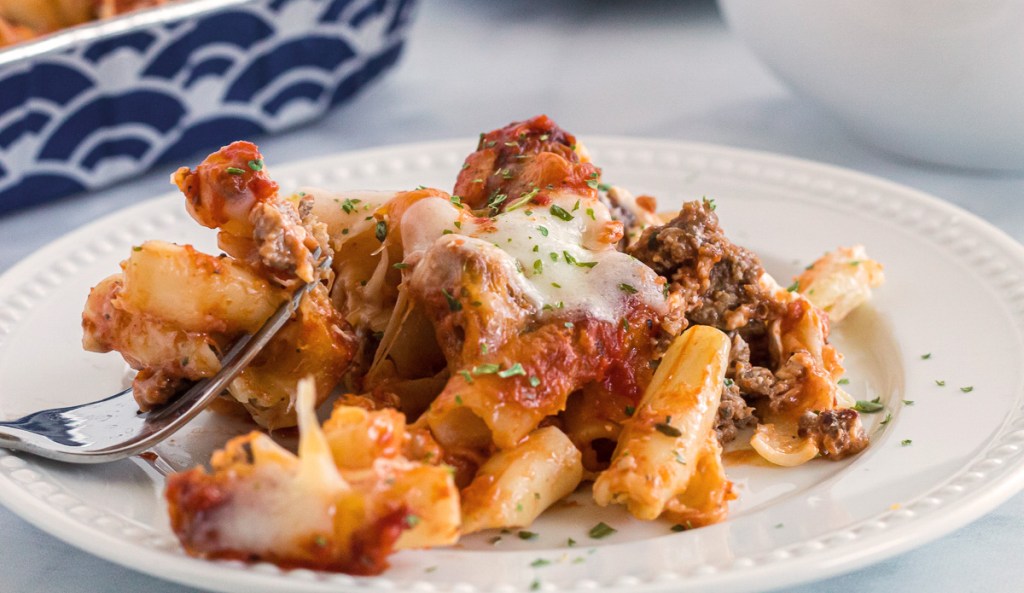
561,253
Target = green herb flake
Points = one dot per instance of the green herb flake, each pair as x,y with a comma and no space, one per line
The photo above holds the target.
543,230
967,389
601,530
539,562
534,381
570,542
908,402
400,266
569,325
235,171
512,371
136,248
538,267
795,286
710,203
560,212
727,382
940,382
926,356
677,528
888,418
256,164
630,410
667,429
527,535
867,407
467,376
590,213
679,458
627,288
843,381
457,200
486,369
458,400
381,231
535,585
453,303
906,442
320,541
412,521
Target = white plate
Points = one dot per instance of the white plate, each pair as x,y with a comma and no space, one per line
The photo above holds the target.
954,290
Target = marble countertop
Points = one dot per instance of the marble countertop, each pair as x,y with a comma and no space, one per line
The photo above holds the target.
666,69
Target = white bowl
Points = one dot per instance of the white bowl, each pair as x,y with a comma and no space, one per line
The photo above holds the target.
933,80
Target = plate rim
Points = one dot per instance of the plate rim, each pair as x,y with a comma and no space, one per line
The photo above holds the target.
827,562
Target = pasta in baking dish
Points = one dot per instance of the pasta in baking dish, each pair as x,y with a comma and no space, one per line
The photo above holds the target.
24,20
490,349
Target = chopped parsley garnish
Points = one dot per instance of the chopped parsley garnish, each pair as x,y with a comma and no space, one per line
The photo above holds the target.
569,325
540,562
926,356
523,199
496,199
677,528
590,213
601,530
453,303
554,256
256,164
534,381
667,429
886,420
486,369
630,410
576,206
868,407
136,248
843,381
908,402
412,521
527,535
235,171
795,286
728,382
905,442
940,382
458,400
535,585
400,265
467,376
543,230
320,541
512,371
967,389
710,203
556,285
560,212
627,288
581,264
381,231
349,205
538,267
457,200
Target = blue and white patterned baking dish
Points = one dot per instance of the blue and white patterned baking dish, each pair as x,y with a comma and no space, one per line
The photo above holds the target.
98,103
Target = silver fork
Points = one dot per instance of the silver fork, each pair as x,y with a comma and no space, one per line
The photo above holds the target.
113,428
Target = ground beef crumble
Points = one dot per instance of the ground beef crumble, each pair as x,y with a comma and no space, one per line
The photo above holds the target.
837,433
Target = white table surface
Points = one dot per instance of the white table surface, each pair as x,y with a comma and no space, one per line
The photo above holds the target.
665,69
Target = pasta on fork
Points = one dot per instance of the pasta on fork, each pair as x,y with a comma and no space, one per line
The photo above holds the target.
490,349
